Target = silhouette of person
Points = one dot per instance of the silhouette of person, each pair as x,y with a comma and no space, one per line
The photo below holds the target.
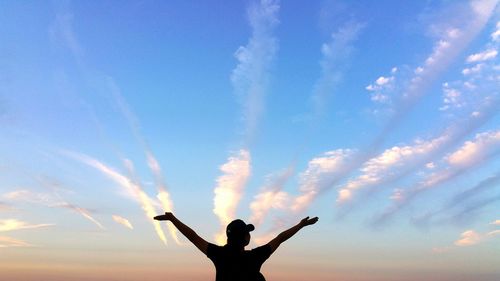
232,262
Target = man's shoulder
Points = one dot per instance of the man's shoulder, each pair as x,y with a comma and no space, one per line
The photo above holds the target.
262,250
213,249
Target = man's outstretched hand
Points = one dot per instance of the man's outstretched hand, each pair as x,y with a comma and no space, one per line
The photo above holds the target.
166,217
307,221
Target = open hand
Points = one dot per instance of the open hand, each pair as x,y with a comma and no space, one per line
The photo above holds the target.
167,216
307,221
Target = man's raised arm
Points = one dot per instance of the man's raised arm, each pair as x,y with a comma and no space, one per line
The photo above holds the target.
199,242
285,235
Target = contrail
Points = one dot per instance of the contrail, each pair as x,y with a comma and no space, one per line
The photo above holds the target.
270,197
319,175
52,186
444,53
250,79
48,201
474,191
82,211
163,194
461,198
334,54
229,189
471,155
132,187
63,27
470,210
399,161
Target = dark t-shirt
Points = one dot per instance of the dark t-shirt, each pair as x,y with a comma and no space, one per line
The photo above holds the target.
234,265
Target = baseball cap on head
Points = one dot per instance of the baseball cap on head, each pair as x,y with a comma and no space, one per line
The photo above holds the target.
238,228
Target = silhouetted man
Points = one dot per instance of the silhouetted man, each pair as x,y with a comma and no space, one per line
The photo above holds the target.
232,262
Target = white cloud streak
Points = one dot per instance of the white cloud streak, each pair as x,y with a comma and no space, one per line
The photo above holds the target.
132,187
48,200
381,88
496,222
82,211
123,221
61,31
29,196
445,51
14,224
7,242
153,164
250,78
229,189
475,151
391,164
334,55
54,186
495,36
271,196
321,172
482,56
468,238
470,155
471,237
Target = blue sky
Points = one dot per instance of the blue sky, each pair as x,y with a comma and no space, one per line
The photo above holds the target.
380,117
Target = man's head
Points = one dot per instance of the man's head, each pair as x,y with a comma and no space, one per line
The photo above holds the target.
238,233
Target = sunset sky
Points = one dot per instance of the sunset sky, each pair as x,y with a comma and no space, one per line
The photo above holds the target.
379,117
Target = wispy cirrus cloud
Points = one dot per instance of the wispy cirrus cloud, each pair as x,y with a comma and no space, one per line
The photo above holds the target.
496,222
62,31
229,189
474,191
54,200
251,76
391,164
454,40
473,152
123,221
54,186
482,56
271,196
30,197
470,210
319,175
468,238
14,224
380,90
7,242
250,79
82,211
395,163
335,54
471,237
467,157
445,51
